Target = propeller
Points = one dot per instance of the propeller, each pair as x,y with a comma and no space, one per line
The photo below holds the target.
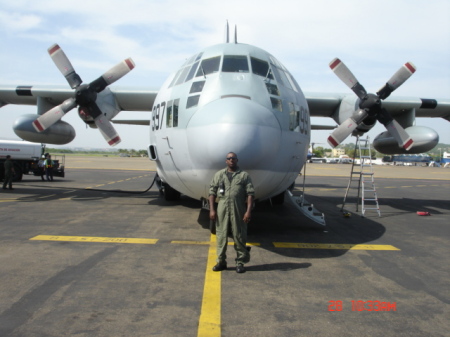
370,104
85,95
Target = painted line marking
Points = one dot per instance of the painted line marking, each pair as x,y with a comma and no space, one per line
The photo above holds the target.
333,246
230,243
204,243
191,242
210,314
46,196
93,239
8,200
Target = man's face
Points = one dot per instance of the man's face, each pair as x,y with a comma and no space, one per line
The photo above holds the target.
232,160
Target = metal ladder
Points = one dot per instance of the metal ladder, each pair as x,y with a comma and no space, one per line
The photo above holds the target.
364,177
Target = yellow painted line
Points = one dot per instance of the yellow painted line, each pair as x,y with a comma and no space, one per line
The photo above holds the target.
92,239
208,242
94,186
8,200
191,242
210,314
333,246
46,196
405,186
64,199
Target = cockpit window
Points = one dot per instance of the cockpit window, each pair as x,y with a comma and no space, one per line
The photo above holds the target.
175,78
197,86
192,71
272,89
182,75
261,68
209,66
235,64
198,56
277,75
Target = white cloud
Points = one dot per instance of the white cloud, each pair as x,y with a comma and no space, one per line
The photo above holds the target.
18,22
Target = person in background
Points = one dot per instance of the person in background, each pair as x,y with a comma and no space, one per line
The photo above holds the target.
49,168
41,165
9,172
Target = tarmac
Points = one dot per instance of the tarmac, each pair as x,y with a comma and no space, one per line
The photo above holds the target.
93,254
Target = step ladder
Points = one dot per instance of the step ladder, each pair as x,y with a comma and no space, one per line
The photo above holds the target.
364,176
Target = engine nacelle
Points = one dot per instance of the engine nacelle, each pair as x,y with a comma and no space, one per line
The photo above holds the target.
107,104
59,133
424,138
349,105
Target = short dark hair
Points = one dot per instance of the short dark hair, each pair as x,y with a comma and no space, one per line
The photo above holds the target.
8,156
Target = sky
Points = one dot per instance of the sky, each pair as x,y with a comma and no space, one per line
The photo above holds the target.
374,39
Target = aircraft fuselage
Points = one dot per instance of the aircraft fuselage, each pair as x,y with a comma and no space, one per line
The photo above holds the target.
230,98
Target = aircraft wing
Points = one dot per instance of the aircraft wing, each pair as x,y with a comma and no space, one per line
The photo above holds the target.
128,99
138,99
132,121
331,105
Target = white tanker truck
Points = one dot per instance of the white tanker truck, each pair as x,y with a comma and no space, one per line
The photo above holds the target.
25,156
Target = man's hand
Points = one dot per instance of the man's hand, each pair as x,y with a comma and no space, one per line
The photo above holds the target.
212,215
247,217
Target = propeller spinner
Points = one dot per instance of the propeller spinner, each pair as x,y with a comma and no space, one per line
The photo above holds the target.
85,95
370,104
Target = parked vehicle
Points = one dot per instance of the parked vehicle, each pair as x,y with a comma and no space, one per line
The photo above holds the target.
26,156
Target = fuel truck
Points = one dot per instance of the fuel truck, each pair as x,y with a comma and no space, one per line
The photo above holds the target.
25,157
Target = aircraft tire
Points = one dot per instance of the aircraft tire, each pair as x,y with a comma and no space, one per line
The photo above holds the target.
171,194
17,173
278,199
212,226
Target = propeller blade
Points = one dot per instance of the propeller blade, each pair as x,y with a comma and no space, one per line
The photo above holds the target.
65,67
346,128
397,80
346,76
107,130
53,115
341,132
399,134
112,75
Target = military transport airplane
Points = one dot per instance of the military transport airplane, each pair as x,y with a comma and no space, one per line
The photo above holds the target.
228,97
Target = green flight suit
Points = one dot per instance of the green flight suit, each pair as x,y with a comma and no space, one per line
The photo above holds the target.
9,169
230,212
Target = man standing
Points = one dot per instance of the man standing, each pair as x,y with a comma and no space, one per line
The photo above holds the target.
49,168
233,188
41,165
9,172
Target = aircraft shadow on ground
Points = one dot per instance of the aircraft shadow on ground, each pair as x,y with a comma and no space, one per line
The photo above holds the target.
284,223
51,191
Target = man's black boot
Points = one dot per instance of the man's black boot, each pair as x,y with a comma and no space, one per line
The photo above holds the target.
222,265
240,269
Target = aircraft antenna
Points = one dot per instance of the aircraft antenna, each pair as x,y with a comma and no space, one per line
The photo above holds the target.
227,33
235,34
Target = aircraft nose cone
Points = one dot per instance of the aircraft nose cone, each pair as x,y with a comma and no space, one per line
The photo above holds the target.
233,125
